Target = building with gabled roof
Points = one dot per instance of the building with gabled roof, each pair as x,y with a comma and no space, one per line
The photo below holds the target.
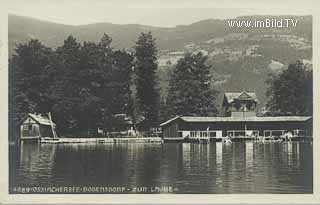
243,102
239,120
37,126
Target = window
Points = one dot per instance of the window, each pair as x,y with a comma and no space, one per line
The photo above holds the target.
256,133
299,132
212,134
277,133
25,127
230,133
239,133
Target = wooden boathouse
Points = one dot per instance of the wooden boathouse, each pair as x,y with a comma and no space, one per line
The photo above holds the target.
239,121
34,127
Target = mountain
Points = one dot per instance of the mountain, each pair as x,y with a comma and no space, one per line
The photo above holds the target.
124,36
51,34
240,58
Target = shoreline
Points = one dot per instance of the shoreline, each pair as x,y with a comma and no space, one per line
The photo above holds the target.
155,140
102,140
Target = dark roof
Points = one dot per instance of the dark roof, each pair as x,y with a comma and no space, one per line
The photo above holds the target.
42,120
168,121
241,119
232,96
246,119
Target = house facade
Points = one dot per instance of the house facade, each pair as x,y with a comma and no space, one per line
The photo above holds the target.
239,103
36,126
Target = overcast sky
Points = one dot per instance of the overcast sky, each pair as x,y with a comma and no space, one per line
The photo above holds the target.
165,13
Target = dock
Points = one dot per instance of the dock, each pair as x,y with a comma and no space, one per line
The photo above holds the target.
154,140
238,138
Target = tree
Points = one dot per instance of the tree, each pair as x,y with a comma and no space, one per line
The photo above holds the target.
147,89
164,110
121,74
29,80
290,92
190,88
90,84
117,73
66,89
105,64
83,86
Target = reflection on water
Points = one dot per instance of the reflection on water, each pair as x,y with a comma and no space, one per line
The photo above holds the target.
240,167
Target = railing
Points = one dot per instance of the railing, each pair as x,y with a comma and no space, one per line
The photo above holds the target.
296,132
202,134
242,133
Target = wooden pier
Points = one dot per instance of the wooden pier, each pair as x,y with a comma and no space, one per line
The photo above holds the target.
154,140
206,139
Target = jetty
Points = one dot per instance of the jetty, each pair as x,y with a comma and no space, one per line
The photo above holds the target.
41,128
238,138
154,140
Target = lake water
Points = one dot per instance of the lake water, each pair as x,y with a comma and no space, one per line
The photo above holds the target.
240,167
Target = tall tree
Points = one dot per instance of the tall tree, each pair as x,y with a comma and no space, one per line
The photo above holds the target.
290,92
105,63
65,90
121,74
116,95
90,84
29,79
84,86
190,87
147,88
164,110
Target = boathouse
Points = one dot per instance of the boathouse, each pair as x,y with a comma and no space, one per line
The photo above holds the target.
36,126
239,120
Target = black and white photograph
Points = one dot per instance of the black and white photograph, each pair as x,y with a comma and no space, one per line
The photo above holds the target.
163,100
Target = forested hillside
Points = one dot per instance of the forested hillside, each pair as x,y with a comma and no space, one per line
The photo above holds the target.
238,59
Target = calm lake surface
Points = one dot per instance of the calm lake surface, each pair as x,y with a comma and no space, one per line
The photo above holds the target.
240,167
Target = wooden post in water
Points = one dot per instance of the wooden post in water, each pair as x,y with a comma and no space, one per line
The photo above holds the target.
53,131
245,130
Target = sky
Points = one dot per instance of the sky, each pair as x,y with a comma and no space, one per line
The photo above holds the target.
164,13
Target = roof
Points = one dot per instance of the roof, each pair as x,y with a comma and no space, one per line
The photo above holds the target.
40,119
246,119
241,119
232,96
168,121
126,119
